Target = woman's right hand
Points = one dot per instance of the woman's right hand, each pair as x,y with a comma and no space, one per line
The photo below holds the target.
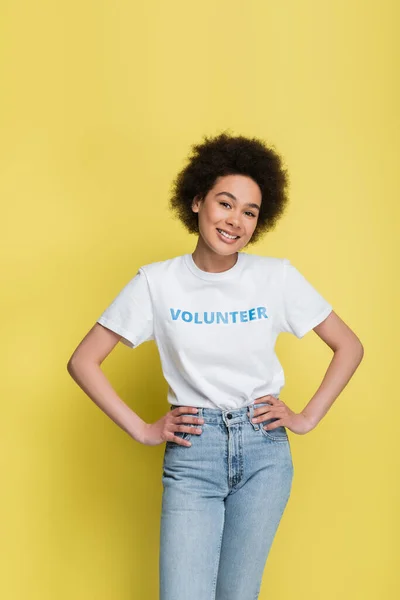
164,429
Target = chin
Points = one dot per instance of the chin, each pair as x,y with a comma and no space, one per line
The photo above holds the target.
228,251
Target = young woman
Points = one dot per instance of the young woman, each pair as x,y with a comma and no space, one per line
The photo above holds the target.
215,316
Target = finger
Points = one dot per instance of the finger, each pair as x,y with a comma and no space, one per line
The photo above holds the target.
268,409
267,399
273,399
177,440
262,410
184,409
274,425
262,415
186,419
186,429
263,399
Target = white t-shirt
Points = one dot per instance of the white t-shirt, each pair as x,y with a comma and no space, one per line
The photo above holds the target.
216,332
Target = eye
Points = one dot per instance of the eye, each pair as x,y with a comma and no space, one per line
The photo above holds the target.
247,212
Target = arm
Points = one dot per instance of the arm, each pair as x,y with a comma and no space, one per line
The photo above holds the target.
84,368
348,353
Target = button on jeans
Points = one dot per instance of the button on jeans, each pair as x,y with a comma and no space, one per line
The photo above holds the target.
223,498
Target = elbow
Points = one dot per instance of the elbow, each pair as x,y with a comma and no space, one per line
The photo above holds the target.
72,365
353,348
77,363
356,346
359,345
359,350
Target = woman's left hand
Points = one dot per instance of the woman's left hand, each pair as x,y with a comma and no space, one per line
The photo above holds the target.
277,409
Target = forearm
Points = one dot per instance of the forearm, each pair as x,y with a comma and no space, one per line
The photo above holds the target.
91,379
340,370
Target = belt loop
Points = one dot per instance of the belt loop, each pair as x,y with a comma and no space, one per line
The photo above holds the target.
251,411
200,411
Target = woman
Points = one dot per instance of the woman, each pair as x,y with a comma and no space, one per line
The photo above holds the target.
215,316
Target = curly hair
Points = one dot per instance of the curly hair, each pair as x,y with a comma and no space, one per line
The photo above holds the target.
226,154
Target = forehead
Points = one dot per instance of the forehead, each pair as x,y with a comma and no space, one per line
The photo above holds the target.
241,186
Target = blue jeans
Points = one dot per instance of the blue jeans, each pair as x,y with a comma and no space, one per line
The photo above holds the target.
223,499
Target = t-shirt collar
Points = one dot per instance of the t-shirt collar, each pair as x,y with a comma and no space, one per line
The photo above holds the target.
206,275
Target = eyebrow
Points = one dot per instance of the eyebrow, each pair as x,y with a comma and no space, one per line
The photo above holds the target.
234,198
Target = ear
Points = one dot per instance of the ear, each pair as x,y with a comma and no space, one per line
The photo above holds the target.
196,202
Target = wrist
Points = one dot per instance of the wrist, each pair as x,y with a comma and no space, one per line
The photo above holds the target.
310,419
139,434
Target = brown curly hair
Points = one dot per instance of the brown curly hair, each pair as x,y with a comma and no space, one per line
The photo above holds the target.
226,154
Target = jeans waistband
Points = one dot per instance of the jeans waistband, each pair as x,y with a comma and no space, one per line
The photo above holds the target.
229,416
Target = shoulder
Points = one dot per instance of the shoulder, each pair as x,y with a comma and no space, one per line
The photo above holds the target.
161,267
259,261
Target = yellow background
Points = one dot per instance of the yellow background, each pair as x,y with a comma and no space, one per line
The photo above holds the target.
100,103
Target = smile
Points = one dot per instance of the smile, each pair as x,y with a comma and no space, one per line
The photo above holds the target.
227,235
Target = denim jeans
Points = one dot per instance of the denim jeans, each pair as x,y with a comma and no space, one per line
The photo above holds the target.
223,498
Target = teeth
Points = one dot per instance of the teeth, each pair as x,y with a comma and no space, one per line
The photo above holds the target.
231,237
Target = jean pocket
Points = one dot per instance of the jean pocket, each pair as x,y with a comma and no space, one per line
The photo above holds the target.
279,434
183,435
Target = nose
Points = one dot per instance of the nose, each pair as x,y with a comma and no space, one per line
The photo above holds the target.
233,221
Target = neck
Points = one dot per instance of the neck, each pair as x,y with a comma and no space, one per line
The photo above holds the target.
208,260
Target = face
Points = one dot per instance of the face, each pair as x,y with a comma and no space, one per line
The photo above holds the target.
231,206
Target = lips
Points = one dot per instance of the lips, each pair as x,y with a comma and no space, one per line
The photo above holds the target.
225,240
228,232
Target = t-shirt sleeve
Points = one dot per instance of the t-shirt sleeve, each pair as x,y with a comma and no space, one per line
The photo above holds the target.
303,307
131,313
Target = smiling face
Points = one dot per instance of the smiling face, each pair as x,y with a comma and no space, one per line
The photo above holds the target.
231,206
